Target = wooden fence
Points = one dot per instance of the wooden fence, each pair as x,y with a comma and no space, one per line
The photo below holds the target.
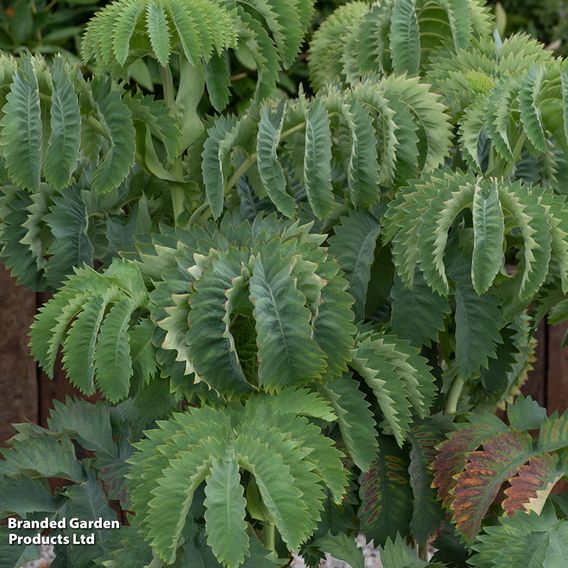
25,394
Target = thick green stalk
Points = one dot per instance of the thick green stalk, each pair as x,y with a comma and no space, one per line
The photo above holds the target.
177,192
270,537
454,396
168,87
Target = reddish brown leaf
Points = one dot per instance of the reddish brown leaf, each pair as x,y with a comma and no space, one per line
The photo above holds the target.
484,473
532,486
451,457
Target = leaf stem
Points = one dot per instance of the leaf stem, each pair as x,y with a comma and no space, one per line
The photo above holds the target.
252,158
454,396
242,170
177,191
168,87
270,537
197,213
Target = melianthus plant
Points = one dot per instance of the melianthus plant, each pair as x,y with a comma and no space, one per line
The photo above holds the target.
301,318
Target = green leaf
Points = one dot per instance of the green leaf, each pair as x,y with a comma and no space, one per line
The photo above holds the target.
211,343
80,343
433,232
48,329
171,500
355,420
158,122
287,352
333,324
488,231
143,352
126,548
363,171
117,121
87,501
478,321
219,142
341,547
88,423
260,47
427,512
191,37
113,362
418,314
69,224
529,107
16,555
405,38
460,18
269,167
530,216
301,402
564,86
325,457
158,31
398,376
395,553
526,414
65,137
523,540
148,463
225,506
276,485
386,497
22,230
125,26
260,557
450,551
553,435
21,128
353,246
317,160
218,81
37,454
22,496
306,478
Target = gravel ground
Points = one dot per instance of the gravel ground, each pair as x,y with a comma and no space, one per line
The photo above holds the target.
46,557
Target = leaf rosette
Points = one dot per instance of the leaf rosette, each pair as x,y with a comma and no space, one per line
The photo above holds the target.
249,307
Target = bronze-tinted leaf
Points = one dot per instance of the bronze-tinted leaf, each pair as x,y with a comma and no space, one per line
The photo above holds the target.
529,490
485,471
451,457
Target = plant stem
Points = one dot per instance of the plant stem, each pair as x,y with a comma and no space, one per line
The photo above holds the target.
242,170
454,396
270,537
168,87
177,191
423,552
252,158
197,213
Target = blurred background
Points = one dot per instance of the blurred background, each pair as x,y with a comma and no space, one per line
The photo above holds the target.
55,26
